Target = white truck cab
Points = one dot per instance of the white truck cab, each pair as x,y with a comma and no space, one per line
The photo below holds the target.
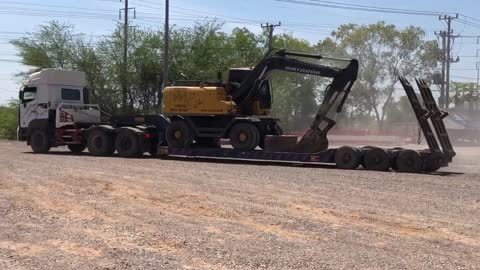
52,101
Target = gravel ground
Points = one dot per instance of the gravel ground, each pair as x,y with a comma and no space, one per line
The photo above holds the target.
61,211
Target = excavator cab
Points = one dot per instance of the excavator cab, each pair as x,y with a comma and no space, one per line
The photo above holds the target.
262,102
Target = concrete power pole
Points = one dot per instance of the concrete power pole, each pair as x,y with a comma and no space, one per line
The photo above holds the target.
125,58
442,35
167,41
449,37
271,28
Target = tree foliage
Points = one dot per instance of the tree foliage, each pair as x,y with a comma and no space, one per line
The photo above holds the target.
8,121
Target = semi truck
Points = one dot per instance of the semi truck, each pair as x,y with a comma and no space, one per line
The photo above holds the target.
55,111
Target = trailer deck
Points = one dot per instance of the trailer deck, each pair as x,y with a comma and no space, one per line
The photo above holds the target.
439,154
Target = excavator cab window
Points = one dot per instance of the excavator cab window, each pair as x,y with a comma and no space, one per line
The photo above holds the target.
265,95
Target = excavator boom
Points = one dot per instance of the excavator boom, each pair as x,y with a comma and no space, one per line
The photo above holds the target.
315,139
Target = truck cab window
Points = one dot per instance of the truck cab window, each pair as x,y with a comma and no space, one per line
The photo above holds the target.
70,94
29,94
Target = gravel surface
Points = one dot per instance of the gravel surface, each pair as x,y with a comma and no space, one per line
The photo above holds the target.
61,211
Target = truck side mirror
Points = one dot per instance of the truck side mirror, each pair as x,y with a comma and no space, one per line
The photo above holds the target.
20,96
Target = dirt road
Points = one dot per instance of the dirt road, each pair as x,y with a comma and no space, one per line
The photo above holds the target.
61,211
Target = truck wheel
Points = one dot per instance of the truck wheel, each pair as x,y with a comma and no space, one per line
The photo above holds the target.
408,161
99,143
76,148
377,159
347,158
39,141
179,135
244,136
128,144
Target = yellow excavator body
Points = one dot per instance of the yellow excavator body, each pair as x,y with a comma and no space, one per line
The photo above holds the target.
197,100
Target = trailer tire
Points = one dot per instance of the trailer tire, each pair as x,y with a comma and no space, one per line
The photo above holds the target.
431,165
127,144
76,148
377,159
244,136
100,143
39,141
408,161
179,134
348,158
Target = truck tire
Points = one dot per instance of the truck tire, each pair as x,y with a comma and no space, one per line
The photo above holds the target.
127,144
244,136
179,134
39,141
100,143
76,148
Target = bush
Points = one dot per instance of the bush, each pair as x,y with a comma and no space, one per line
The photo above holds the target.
8,121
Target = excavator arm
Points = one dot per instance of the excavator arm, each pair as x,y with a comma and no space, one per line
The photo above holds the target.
336,93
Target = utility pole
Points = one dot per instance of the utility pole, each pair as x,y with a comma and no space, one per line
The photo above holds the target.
167,41
478,80
271,28
125,58
442,35
449,60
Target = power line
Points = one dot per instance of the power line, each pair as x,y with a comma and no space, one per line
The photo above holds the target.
337,5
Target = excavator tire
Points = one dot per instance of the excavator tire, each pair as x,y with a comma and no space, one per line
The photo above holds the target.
377,159
179,134
348,158
408,161
244,136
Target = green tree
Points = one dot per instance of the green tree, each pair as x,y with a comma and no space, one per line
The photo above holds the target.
385,52
9,121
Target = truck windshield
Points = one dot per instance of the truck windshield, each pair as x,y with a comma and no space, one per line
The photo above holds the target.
29,94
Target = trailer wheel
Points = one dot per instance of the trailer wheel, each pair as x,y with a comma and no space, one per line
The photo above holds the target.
100,143
127,144
431,165
39,141
376,159
347,158
244,136
179,134
408,161
76,148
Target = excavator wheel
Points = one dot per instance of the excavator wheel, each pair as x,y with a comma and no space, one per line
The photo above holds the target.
179,134
244,136
408,161
347,158
377,159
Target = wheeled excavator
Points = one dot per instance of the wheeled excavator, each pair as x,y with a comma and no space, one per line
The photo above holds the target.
240,109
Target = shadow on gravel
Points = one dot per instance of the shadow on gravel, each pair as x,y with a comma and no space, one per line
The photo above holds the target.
232,162
84,154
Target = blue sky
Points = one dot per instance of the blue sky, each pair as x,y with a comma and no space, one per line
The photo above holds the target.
310,23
